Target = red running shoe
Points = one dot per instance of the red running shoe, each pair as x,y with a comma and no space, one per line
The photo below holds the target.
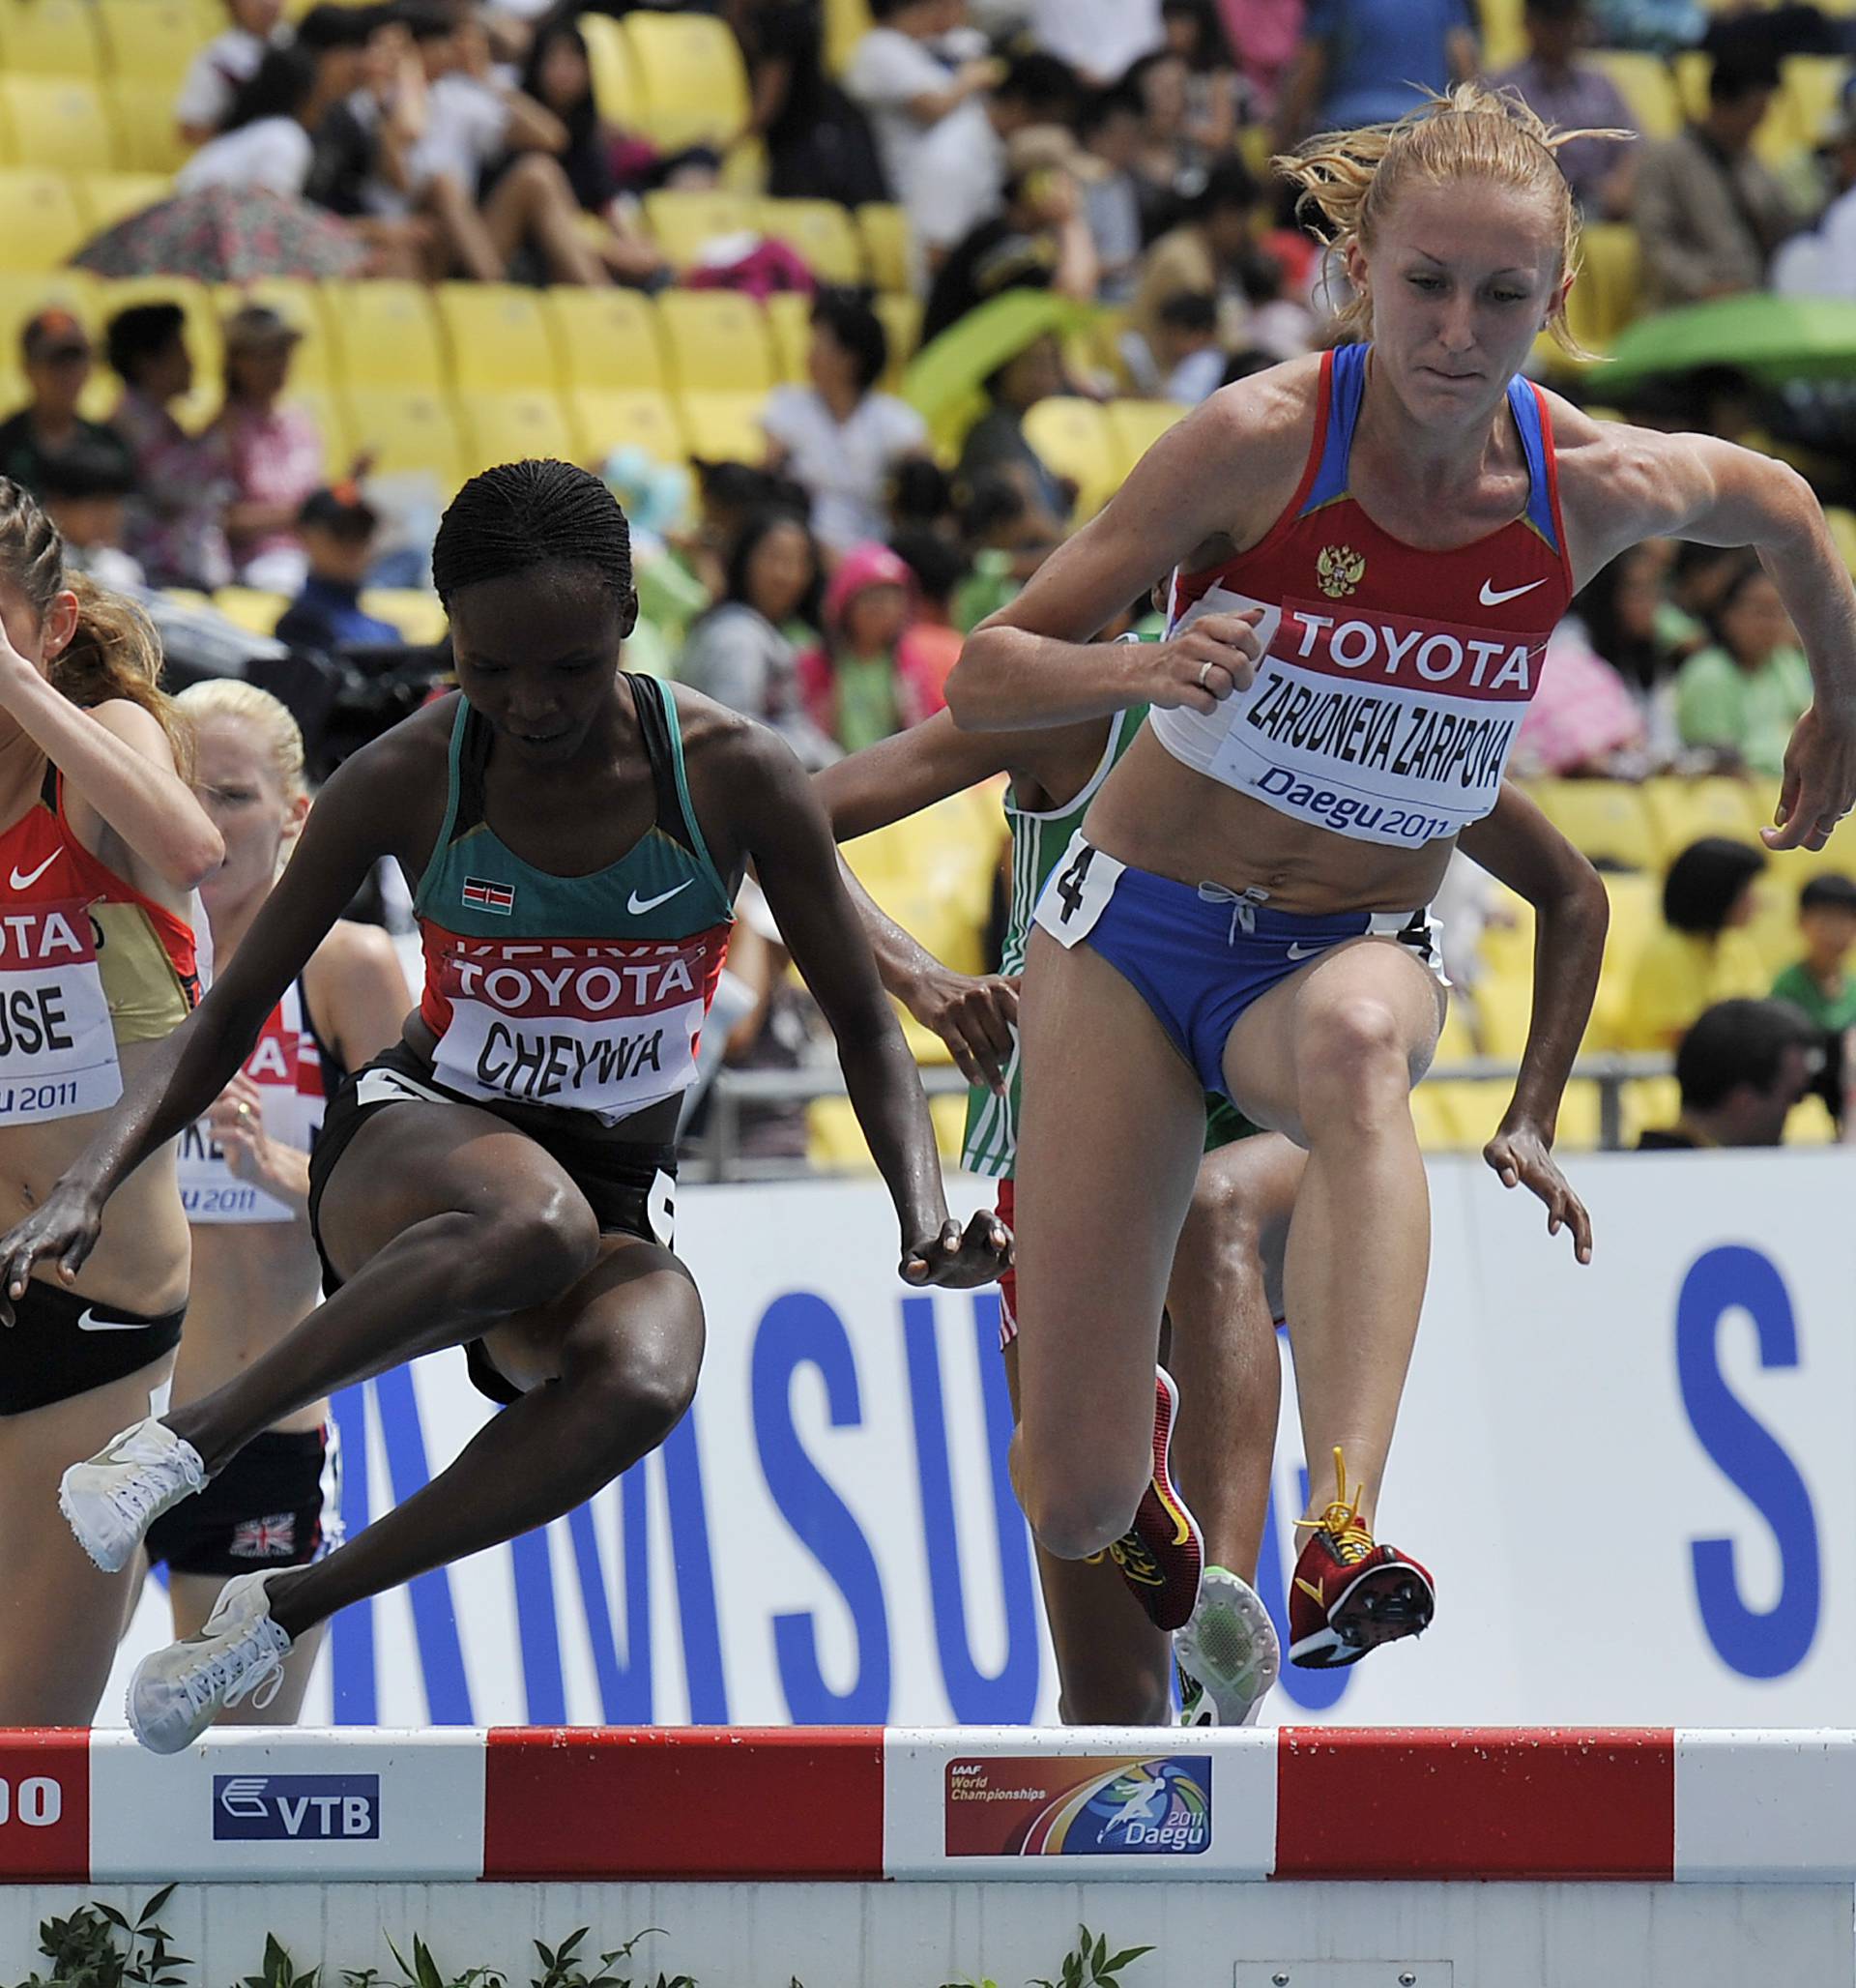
1163,1555
1349,1594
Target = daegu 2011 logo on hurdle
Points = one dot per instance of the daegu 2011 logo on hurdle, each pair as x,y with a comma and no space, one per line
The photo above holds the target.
1045,1806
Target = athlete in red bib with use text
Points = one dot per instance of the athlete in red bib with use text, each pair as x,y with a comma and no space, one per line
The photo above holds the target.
1365,553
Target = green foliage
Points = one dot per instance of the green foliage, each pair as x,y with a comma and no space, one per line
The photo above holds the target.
1090,1964
279,1971
564,1967
99,1948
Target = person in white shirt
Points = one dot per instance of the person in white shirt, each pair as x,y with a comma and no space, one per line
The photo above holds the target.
227,62
1822,262
1100,39
838,437
267,142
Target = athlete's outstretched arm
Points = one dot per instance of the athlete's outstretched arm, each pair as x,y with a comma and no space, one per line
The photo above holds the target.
189,1068
1623,485
1033,662
776,819
1518,847
889,782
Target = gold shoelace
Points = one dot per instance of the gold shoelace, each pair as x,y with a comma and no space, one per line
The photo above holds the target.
1352,1537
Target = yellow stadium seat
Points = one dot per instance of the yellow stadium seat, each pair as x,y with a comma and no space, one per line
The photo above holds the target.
1581,1123
1607,820
384,335
251,608
1434,1114
330,417
836,1142
55,124
821,231
511,428
1136,425
1648,1102
43,226
149,39
885,228
789,324
1647,86
691,77
299,304
846,23
1504,1008
901,315
933,873
685,223
1842,534
1637,913
498,337
1814,87
408,428
1808,1122
715,341
724,427
103,199
605,338
1073,438
141,118
417,614
602,421
1683,811
1605,296
50,38
1504,41
1456,1043
615,80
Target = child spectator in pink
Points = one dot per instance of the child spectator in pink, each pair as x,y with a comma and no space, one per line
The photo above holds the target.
873,676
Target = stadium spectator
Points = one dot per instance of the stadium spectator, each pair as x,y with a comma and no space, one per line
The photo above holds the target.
819,144
997,440
744,652
1007,540
937,567
868,679
1622,612
840,437
337,527
558,77
1109,126
1742,696
1213,93
1708,213
266,139
175,521
1362,61
1819,984
1100,40
84,490
1565,89
1822,263
1205,255
1187,363
470,121
1170,165
1741,1067
923,96
1265,36
225,64
1702,953
275,452
1583,720
1038,241
56,357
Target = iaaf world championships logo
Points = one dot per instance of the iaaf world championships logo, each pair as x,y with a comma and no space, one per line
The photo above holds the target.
1045,1806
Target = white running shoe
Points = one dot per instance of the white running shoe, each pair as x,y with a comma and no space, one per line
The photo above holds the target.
1228,1653
179,1692
112,1501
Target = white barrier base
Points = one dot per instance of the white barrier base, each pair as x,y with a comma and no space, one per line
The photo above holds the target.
921,1935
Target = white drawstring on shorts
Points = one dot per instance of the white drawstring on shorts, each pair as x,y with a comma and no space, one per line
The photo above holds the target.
1243,905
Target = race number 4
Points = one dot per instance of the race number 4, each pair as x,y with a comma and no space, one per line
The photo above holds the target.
1080,887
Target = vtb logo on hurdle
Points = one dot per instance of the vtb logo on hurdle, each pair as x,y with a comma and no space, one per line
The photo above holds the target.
296,1808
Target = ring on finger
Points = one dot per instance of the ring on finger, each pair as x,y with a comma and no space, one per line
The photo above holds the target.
1204,670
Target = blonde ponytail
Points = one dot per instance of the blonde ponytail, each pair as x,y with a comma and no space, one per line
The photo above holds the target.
1349,179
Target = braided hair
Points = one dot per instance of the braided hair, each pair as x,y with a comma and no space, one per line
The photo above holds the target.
521,516
114,651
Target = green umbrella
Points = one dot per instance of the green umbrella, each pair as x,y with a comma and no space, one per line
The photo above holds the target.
1774,338
946,373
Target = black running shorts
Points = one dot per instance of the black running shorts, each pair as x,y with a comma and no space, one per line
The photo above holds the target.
61,1345
277,1504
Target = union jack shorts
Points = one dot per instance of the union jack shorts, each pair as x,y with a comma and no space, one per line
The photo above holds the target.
277,1504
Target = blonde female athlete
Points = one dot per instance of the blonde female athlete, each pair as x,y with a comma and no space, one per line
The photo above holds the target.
101,847
1368,550
245,1179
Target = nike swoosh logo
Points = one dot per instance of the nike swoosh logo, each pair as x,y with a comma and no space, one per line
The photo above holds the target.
30,877
1492,597
1300,951
638,906
89,1322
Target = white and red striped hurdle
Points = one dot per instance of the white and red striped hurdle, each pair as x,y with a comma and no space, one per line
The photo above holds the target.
1647,1806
